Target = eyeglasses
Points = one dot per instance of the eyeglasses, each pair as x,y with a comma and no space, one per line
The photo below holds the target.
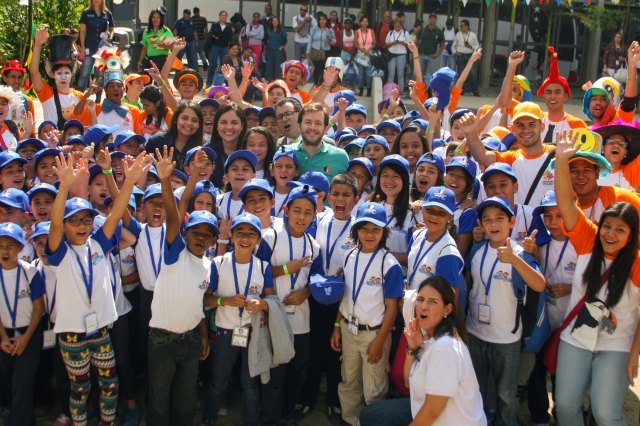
78,222
619,144
303,10
287,114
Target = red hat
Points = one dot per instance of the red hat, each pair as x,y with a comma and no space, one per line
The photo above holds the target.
13,65
554,75
296,64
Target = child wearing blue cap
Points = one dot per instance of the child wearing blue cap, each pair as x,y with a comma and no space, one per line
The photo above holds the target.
41,198
12,173
375,148
14,208
257,199
362,330
429,173
239,167
239,280
21,310
460,177
203,171
362,170
43,164
178,338
493,318
284,169
294,256
86,303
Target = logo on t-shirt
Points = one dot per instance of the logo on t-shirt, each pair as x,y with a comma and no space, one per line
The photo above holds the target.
548,178
253,291
204,285
425,269
96,258
570,267
374,281
502,275
23,294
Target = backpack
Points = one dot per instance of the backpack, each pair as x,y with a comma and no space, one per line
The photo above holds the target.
533,314
386,252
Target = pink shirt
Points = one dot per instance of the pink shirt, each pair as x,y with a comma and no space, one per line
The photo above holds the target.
365,41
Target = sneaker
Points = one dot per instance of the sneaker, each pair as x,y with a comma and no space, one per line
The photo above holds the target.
223,411
62,420
132,417
335,415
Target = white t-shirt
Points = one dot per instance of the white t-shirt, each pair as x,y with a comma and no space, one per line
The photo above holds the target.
48,275
527,169
27,253
149,266
128,267
559,127
112,118
558,264
29,288
334,246
177,304
397,241
302,36
281,200
438,258
72,299
445,369
223,285
616,178
123,306
228,208
394,36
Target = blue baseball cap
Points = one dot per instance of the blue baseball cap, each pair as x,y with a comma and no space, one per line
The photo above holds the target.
7,157
548,200
47,122
76,204
442,197
131,203
315,180
208,101
152,191
346,94
125,136
393,124
366,128
180,175
13,231
303,191
372,213
42,187
498,168
326,289
266,112
376,139
411,115
493,144
117,154
37,143
285,151
345,139
498,202
355,143
440,83
205,186
94,171
242,154
344,131
210,153
202,216
356,109
15,198
434,159
153,172
43,153
429,102
73,123
255,184
41,228
249,219
508,140
397,160
458,114
364,162
420,123
465,164
437,143
77,139
252,109
98,132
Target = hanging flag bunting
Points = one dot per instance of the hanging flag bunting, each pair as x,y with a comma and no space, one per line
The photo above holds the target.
464,3
441,2
559,2
515,2
488,2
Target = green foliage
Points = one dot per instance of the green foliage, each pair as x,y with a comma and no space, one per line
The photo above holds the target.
14,22
601,18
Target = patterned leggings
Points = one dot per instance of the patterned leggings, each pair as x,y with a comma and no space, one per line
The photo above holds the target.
79,353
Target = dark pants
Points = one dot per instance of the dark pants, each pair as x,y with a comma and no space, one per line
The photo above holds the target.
390,412
119,334
273,59
322,358
144,314
173,377
158,60
134,329
471,83
281,394
18,372
224,358
538,399
192,54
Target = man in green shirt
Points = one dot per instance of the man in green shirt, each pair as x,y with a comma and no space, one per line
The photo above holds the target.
312,152
430,47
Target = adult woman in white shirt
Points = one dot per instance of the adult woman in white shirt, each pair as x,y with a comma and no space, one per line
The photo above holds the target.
396,42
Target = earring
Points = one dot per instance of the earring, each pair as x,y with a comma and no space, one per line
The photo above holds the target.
445,316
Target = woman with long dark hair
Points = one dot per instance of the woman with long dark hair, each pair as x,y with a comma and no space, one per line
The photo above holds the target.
229,128
276,40
319,45
615,55
156,116
600,345
153,47
221,35
259,141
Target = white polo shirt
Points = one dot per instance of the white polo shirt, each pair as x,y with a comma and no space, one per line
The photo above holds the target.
148,265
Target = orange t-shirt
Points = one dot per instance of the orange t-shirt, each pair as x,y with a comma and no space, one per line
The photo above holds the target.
131,122
68,102
148,130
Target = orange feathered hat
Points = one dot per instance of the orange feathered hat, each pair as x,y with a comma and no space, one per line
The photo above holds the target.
554,75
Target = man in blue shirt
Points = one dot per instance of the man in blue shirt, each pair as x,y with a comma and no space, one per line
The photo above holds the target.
184,28
93,22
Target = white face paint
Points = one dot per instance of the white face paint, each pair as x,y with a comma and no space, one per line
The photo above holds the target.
62,76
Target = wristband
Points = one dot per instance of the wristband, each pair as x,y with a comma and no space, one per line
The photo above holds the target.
386,116
412,351
336,324
331,123
107,171
413,58
219,301
164,84
285,269
459,151
223,241
430,131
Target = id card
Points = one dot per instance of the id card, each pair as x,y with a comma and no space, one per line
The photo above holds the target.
240,337
91,323
290,309
352,325
484,314
49,339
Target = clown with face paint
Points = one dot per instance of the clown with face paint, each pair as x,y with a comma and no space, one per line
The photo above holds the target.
13,74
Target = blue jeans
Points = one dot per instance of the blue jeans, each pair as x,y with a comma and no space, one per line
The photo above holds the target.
216,55
448,61
84,74
396,67
503,362
471,83
173,377
224,358
200,53
364,73
192,55
428,65
299,49
272,66
605,371
390,412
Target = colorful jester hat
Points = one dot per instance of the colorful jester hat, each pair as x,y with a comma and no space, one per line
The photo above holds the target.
554,75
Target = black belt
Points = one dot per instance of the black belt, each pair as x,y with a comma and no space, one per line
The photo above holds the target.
175,335
365,327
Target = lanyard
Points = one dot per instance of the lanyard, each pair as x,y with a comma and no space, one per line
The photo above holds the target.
515,214
331,247
546,258
156,269
420,257
235,276
113,271
284,202
356,292
52,304
12,312
229,207
487,285
294,277
88,282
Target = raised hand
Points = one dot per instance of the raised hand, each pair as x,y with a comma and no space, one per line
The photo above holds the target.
261,85
247,70
140,165
414,336
103,159
633,55
516,57
178,45
201,159
228,72
65,172
154,73
164,163
506,253
330,76
475,56
566,145
412,48
28,125
91,105
42,36
87,152
469,123
529,243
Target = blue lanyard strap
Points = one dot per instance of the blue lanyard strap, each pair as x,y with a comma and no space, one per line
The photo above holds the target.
88,281
284,203
420,257
487,284
546,258
331,247
156,269
356,292
515,214
12,312
229,207
294,277
235,277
